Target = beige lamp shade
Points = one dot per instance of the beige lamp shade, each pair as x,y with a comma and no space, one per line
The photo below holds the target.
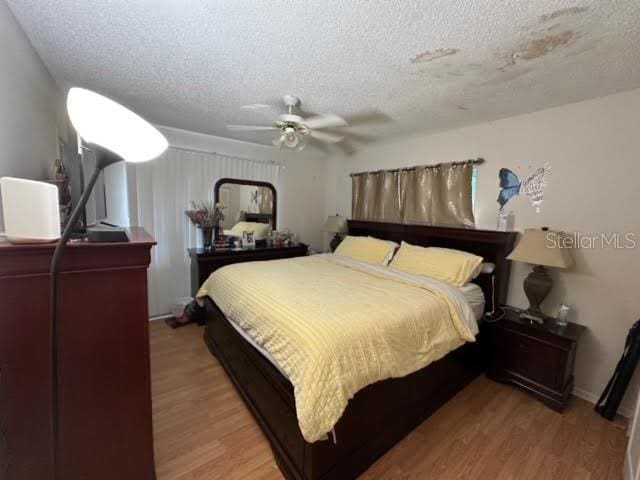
542,247
335,224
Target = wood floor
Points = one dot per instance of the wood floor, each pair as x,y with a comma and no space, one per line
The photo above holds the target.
489,431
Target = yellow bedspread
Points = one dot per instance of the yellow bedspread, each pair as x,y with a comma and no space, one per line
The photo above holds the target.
335,326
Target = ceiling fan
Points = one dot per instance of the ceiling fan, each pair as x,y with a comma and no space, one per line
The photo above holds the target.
295,130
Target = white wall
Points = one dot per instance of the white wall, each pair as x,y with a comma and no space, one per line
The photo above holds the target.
594,150
30,106
302,186
303,195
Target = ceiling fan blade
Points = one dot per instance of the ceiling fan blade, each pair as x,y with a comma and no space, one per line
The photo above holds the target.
256,106
325,121
326,136
263,109
359,137
249,128
346,147
368,118
320,146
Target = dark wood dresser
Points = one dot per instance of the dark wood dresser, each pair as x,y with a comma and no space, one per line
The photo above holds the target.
206,261
537,358
105,425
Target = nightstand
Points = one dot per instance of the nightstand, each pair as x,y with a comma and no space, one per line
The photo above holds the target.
537,358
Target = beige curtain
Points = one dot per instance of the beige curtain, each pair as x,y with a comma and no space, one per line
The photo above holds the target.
438,195
376,196
266,200
433,195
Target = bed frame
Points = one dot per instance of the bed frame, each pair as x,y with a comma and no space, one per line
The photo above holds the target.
381,414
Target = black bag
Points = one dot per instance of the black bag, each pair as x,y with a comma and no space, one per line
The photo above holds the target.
610,399
195,312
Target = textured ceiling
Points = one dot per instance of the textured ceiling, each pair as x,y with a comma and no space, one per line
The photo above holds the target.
420,65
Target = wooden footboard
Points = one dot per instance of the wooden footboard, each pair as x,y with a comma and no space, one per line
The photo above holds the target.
375,419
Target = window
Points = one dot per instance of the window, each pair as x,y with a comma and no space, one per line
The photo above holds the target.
474,189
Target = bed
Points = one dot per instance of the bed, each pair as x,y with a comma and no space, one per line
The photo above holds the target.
379,414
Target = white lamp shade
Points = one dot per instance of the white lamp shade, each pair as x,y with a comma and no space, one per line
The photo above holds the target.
103,122
335,224
542,247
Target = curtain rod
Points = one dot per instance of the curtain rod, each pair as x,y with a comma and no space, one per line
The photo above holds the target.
211,152
472,161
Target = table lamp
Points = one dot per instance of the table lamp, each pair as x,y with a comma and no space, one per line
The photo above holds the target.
114,133
338,225
541,248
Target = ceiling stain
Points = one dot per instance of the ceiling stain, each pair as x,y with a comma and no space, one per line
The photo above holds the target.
561,13
539,47
431,55
585,47
505,75
511,64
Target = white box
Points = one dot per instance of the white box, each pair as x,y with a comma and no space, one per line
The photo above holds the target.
31,210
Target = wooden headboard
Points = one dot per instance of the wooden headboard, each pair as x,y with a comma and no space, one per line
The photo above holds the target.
491,245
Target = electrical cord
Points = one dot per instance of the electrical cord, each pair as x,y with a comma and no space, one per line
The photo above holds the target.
490,317
497,313
495,316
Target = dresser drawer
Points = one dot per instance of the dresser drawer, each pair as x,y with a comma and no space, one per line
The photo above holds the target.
531,358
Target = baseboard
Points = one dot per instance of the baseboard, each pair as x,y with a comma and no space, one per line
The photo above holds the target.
593,398
160,317
627,470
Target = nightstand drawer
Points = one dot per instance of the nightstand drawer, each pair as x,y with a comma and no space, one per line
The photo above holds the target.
537,357
529,357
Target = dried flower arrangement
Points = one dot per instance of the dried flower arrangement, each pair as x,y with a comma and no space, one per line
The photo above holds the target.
206,214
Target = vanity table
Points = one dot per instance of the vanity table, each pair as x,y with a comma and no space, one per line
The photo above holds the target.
246,201
206,261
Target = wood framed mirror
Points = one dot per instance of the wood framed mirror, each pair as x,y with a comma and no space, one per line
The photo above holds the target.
246,201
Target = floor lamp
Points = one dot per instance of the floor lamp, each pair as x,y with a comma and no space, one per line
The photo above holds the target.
114,133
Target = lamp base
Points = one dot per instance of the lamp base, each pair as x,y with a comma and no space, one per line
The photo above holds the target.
537,286
532,317
335,241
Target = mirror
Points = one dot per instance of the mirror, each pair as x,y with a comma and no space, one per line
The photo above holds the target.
246,201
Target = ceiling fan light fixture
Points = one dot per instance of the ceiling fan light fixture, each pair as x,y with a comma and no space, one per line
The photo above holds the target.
277,142
294,130
291,139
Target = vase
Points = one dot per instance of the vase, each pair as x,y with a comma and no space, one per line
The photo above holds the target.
206,236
